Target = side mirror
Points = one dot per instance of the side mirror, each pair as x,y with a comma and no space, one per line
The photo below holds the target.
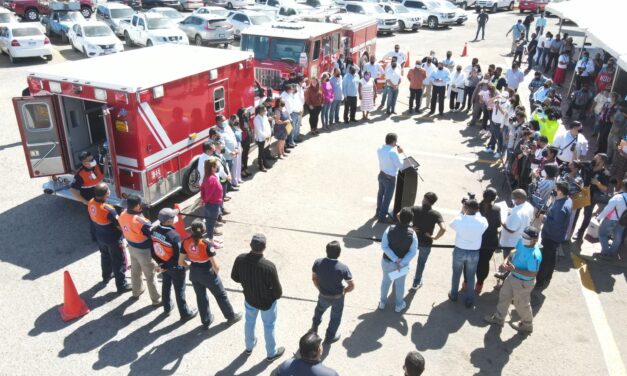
106,17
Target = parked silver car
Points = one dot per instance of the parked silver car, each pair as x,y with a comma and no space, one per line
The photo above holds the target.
207,29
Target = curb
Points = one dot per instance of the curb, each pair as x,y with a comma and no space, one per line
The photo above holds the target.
575,249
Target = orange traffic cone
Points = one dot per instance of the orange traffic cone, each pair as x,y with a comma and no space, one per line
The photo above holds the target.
180,225
465,51
73,306
407,62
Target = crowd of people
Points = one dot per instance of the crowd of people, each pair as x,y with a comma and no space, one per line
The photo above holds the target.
542,146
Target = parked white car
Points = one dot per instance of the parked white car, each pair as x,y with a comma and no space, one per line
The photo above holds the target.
24,40
149,29
243,19
7,17
460,15
113,14
465,4
386,23
172,14
230,4
434,15
94,39
407,19
218,11
494,5
294,11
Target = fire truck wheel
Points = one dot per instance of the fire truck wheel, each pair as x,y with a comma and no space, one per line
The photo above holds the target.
401,26
198,40
190,180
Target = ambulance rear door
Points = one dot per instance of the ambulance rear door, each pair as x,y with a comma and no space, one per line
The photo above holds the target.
41,135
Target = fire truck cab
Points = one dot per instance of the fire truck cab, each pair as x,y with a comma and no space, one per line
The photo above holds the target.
147,110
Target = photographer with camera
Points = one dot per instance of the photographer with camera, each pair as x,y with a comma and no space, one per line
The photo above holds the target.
490,238
596,178
572,144
555,225
469,226
541,151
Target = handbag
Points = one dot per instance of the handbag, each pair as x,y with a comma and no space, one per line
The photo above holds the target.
581,199
289,127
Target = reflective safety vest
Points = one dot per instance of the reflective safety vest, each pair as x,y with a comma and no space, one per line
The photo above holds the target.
162,248
90,177
198,253
99,212
132,225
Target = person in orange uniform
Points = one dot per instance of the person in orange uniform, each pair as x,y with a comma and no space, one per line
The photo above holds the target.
137,231
166,247
109,238
85,180
203,273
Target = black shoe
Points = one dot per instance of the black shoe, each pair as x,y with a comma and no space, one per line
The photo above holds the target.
279,353
469,304
431,113
263,169
334,339
192,314
125,288
250,351
287,151
233,189
346,123
237,317
105,281
450,296
208,324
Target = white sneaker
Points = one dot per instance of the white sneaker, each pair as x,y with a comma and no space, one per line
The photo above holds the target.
497,155
488,150
399,310
381,306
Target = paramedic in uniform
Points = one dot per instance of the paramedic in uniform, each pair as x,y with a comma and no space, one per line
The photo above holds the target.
109,238
203,273
166,246
85,180
137,230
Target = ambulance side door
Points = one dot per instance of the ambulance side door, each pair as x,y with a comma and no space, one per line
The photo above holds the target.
41,135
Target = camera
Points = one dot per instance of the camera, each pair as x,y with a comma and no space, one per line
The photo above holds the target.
471,196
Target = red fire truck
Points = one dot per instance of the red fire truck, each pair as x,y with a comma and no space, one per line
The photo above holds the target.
149,110
307,47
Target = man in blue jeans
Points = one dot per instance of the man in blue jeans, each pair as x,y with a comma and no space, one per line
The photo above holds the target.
469,226
424,221
610,225
328,276
399,244
389,164
262,289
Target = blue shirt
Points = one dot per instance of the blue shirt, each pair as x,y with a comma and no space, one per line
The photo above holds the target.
541,22
517,30
389,160
331,273
336,84
350,84
304,367
557,219
385,245
527,259
438,74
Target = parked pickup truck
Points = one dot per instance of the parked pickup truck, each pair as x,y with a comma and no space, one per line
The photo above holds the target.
63,15
149,29
494,5
30,10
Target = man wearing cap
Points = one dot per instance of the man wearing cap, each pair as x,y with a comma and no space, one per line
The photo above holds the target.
262,289
166,248
137,231
523,265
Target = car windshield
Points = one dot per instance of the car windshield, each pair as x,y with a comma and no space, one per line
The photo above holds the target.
26,32
433,4
373,8
287,49
171,13
220,12
259,45
400,9
260,20
71,17
448,5
159,23
97,31
122,13
7,18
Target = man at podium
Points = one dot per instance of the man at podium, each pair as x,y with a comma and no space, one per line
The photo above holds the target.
389,163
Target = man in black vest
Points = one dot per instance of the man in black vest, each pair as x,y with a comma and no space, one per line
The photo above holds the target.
399,243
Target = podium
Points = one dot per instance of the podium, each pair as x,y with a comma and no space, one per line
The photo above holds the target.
406,185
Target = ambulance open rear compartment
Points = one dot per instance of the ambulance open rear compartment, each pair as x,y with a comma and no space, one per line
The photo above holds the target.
149,110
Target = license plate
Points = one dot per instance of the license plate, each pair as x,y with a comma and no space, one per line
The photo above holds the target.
32,43
221,35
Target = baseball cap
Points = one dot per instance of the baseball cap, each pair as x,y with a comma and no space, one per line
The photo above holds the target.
166,214
258,242
530,232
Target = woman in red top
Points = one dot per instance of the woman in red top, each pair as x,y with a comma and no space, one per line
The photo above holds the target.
314,100
211,195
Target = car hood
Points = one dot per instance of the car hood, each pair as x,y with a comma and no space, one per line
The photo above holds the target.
382,16
103,40
166,32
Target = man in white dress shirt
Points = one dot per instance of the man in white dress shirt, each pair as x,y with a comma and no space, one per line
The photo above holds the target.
572,144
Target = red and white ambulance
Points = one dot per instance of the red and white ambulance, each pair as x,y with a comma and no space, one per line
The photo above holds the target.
149,110
306,47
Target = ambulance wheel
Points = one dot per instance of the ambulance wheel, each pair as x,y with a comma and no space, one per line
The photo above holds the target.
198,40
190,180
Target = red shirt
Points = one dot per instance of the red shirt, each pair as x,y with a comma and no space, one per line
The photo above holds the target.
604,80
211,190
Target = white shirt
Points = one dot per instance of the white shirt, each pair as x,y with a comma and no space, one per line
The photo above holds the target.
429,68
389,160
562,61
542,41
500,116
400,57
563,142
289,101
375,70
200,167
520,217
299,99
262,128
458,80
393,74
599,100
588,67
514,78
616,202
469,230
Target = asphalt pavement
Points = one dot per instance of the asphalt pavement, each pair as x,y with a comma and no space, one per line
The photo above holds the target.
325,190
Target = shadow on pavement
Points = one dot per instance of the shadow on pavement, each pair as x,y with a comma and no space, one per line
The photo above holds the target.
495,353
364,235
237,363
50,321
172,352
50,226
372,327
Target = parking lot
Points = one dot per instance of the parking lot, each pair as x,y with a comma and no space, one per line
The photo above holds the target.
325,190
